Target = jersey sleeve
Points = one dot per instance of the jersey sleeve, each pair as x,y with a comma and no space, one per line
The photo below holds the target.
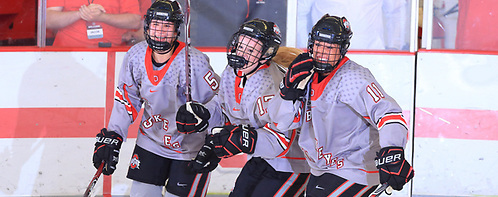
205,82
127,102
218,117
381,111
285,114
273,143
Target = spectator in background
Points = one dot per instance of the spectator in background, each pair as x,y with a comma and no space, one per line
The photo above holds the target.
86,23
134,36
378,24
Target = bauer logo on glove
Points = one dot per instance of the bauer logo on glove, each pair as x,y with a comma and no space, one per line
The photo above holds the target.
107,147
231,140
393,168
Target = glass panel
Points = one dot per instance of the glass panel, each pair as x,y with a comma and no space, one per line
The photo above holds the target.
85,23
214,22
18,22
376,24
444,24
465,25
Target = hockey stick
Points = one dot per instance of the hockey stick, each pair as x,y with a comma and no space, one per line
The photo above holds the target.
384,187
188,89
94,180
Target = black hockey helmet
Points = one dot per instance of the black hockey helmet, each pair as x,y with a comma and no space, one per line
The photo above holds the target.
333,30
163,10
264,31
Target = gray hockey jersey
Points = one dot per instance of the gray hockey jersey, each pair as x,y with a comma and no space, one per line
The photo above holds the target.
160,92
248,105
344,120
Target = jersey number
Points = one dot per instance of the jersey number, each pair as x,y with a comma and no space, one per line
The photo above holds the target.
211,81
375,92
260,101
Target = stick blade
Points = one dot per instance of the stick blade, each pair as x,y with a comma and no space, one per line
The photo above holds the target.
381,188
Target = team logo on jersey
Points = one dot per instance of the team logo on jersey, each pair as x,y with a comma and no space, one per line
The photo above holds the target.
135,162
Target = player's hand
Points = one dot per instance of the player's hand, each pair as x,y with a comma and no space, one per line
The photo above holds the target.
192,117
297,77
393,168
107,147
206,160
231,140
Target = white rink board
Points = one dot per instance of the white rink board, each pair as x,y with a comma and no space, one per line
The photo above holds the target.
62,166
53,79
460,84
457,81
453,167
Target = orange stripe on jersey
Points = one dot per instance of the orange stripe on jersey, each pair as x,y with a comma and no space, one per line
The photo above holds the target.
155,76
129,107
282,140
295,158
289,143
239,88
317,88
391,118
369,172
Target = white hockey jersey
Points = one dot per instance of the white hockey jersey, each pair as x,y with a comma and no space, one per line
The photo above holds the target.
344,120
160,92
248,105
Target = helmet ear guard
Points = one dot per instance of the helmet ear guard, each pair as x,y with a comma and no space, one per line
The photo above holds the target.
332,30
164,11
267,33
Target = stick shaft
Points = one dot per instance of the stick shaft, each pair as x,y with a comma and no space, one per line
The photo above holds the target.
94,180
188,87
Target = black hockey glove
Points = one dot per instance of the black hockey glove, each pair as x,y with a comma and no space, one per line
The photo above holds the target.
231,140
192,117
107,150
206,160
393,168
300,71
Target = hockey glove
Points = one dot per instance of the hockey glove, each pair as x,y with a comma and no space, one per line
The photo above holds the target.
295,80
206,160
393,168
107,150
192,117
231,140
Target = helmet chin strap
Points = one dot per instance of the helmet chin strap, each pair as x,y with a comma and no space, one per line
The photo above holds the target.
162,52
172,46
244,76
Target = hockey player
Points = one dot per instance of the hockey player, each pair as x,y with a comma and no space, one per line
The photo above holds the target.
352,131
153,77
276,166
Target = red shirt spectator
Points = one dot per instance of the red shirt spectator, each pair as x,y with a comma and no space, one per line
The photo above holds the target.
71,18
